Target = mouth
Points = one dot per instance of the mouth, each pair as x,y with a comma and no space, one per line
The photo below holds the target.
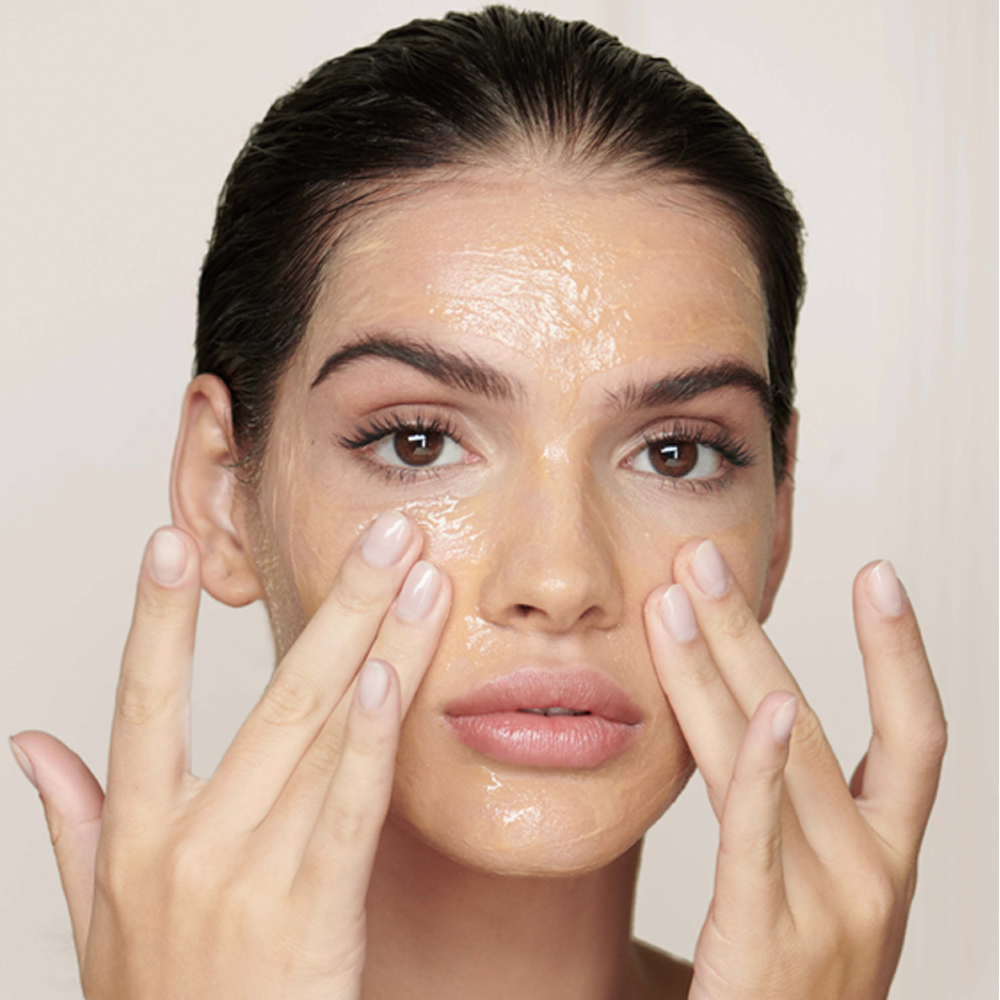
547,718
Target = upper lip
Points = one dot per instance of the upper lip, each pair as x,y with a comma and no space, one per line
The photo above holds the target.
581,690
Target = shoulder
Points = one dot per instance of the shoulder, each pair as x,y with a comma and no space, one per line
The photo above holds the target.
662,974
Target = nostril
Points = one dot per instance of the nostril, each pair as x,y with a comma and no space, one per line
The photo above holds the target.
524,609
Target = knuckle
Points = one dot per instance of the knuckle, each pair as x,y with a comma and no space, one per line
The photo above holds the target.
346,825
354,597
160,606
925,745
137,701
291,700
369,746
904,641
323,756
738,622
190,873
934,741
702,673
808,739
873,905
921,739
116,874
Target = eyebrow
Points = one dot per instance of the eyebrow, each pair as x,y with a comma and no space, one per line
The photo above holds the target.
460,371
693,382
457,371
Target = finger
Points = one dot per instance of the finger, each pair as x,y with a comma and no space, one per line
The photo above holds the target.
72,799
751,668
749,876
150,732
898,783
408,639
337,861
312,678
711,721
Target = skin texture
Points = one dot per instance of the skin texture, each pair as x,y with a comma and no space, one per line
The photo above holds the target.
537,278
337,853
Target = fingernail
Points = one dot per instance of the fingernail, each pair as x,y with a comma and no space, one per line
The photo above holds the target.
678,614
783,720
709,569
386,540
884,589
167,558
23,762
420,591
373,685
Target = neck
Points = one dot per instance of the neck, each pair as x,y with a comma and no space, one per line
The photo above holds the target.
438,929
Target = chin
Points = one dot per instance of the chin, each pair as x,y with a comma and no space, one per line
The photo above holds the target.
502,819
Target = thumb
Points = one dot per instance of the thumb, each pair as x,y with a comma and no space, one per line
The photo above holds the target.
73,800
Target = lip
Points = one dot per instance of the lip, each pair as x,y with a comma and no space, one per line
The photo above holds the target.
491,719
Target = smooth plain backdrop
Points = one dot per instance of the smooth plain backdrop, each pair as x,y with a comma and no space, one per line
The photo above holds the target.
120,120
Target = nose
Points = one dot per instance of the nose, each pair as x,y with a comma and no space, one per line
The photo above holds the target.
553,561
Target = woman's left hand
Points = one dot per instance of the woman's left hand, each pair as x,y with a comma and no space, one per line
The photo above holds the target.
814,878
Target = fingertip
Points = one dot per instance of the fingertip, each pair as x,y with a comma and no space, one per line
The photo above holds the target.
677,614
170,555
683,557
783,714
883,589
23,762
375,682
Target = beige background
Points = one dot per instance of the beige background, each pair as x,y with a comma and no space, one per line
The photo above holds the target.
120,120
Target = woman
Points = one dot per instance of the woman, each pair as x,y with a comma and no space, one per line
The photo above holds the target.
494,410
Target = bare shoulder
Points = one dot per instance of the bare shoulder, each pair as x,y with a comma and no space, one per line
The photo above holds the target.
662,975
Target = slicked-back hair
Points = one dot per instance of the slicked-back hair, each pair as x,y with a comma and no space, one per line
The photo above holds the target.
467,90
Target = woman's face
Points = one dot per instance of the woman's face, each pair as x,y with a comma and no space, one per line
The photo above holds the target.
529,425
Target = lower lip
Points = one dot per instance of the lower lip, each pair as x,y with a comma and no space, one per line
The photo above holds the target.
544,740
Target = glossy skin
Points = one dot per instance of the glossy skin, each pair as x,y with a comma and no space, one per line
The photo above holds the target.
551,541
555,539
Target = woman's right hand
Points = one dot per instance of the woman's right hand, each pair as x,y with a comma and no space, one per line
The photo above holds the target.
252,883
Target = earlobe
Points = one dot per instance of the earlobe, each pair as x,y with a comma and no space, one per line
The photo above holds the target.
203,493
781,547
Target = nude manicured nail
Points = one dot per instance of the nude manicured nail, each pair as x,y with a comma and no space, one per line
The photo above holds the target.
884,589
167,557
420,591
783,720
386,540
678,614
373,685
709,569
24,763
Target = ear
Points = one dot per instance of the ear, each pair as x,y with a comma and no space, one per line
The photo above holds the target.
781,547
203,493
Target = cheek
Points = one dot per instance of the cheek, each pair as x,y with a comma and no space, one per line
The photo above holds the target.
312,536
650,535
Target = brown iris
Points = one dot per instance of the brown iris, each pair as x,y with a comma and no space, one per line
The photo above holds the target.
673,458
418,447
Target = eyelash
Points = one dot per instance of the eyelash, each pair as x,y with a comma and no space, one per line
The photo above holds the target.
733,451
394,423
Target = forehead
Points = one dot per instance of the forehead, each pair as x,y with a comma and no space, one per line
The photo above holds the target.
577,274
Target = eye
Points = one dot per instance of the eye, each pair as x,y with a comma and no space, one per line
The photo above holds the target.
678,459
418,447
